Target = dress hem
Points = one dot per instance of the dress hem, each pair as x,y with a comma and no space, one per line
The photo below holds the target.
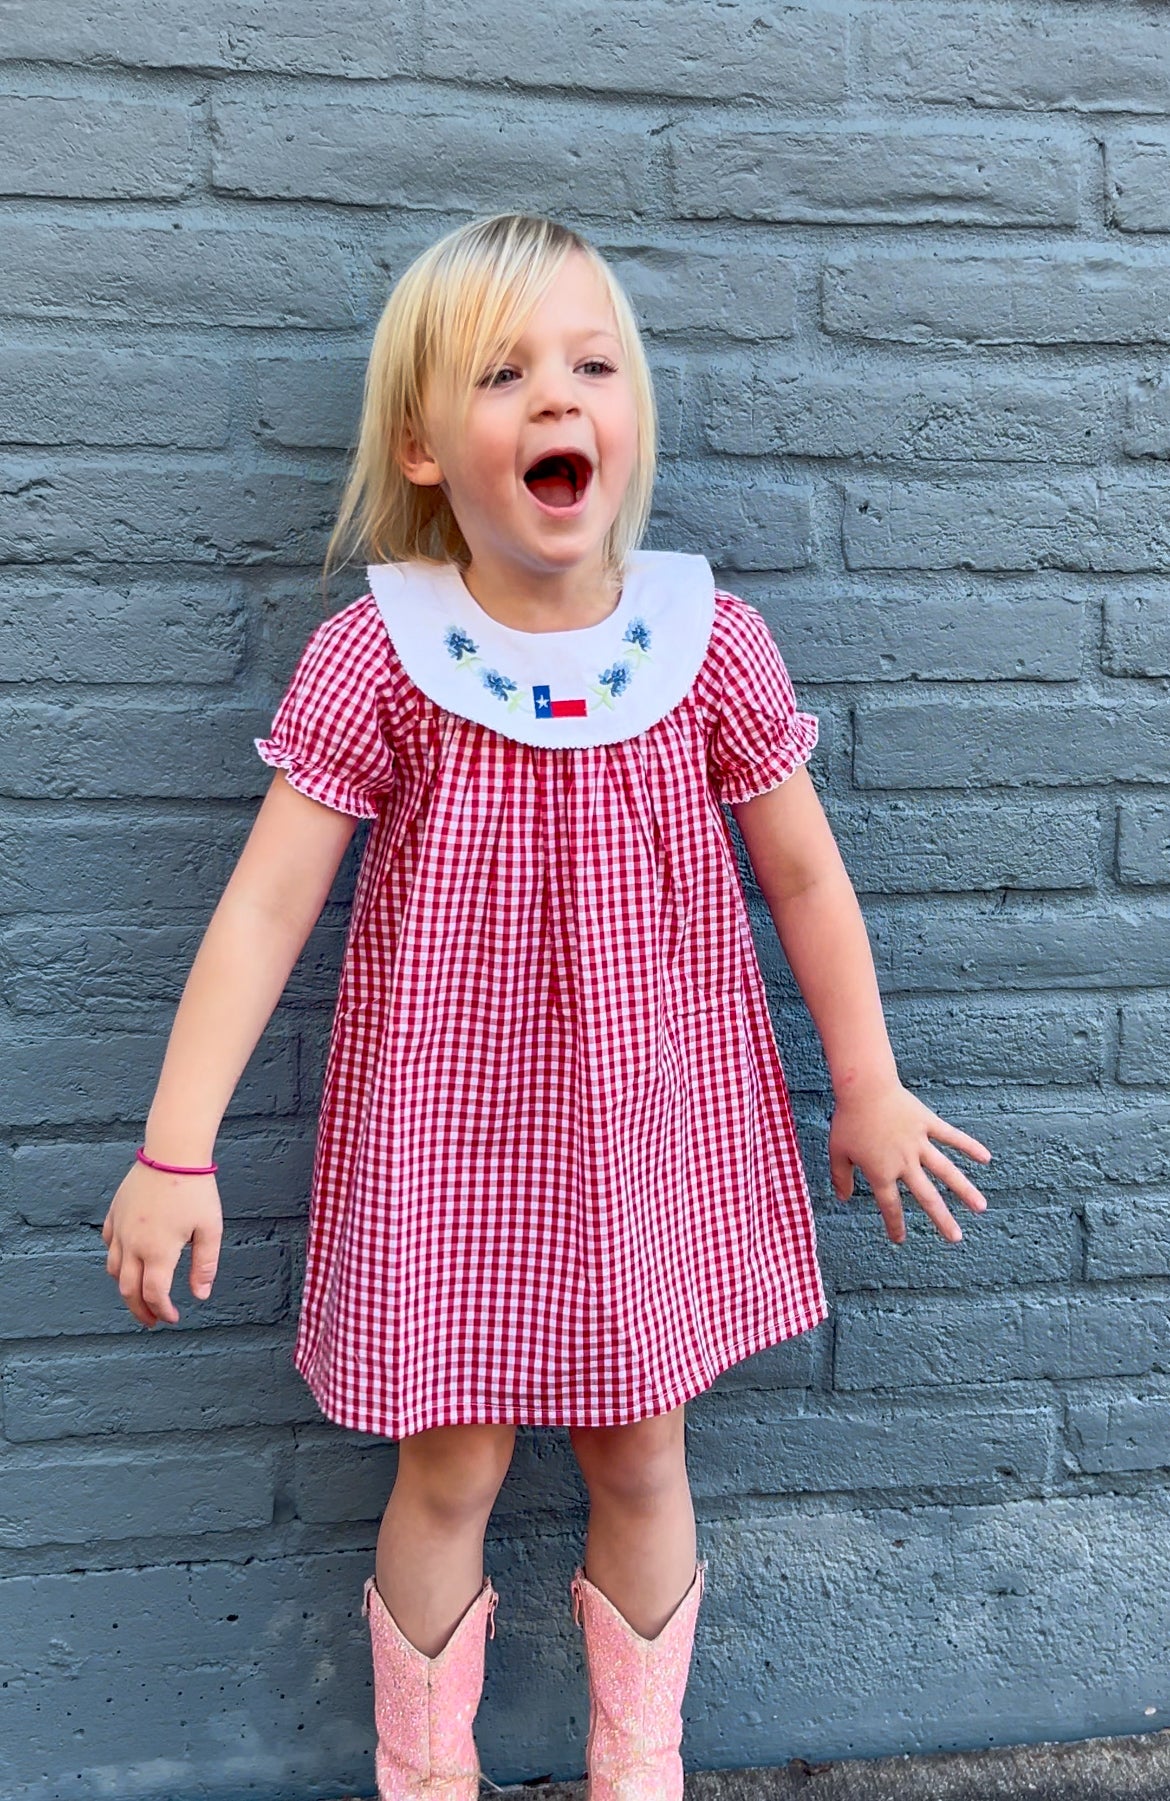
763,1341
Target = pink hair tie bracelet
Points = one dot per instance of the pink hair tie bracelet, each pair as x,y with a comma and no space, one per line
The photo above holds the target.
174,1169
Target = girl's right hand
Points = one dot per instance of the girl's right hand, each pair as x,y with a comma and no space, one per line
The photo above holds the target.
152,1216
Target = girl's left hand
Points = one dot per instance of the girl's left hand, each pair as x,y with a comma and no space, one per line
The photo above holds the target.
886,1131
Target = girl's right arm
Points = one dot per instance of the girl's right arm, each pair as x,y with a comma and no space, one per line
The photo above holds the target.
258,930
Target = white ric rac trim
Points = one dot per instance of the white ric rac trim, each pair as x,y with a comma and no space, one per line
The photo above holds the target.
563,690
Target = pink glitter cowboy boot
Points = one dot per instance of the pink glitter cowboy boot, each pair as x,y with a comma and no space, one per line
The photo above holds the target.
636,1689
425,1706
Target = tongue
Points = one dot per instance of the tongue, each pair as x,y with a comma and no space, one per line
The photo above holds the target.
556,490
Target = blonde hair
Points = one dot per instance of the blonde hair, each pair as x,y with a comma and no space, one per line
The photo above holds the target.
456,312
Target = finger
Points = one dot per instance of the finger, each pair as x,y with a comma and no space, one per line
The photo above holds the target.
932,1203
890,1204
106,1230
939,1165
841,1175
962,1141
156,1291
130,1289
114,1261
204,1261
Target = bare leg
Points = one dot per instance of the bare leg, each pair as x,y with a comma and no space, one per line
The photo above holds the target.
640,1548
429,1565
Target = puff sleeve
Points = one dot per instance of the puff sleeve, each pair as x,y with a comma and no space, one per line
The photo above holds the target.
329,731
758,736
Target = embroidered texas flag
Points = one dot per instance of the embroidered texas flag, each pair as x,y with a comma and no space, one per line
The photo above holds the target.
548,708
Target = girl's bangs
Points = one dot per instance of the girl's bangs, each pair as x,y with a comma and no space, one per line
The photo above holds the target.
480,304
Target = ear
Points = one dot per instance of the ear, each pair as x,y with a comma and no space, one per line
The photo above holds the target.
414,458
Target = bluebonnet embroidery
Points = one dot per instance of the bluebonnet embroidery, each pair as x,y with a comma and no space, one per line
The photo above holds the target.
613,681
610,685
637,633
466,653
499,685
460,645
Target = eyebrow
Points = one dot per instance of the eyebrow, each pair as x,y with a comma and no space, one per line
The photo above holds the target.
583,334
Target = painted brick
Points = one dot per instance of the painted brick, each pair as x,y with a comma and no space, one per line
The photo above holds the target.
1079,1146
897,174
843,1448
668,379
1143,842
1127,1235
1008,1244
111,971
206,514
1029,946
1130,1433
60,1293
284,610
1146,431
797,1362
996,57
309,403
363,39
261,1176
1137,634
117,750
942,1592
118,631
116,861
47,1500
1145,1041
94,148
975,1042
142,862
486,158
722,51
901,847
1052,296
1099,522
680,290
763,409
164,275
956,744
977,1340
754,523
120,1649
158,1386
83,1079
1137,164
95,396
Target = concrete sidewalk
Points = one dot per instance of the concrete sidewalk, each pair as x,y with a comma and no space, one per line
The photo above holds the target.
1100,1769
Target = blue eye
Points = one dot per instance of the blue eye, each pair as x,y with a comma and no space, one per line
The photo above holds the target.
594,362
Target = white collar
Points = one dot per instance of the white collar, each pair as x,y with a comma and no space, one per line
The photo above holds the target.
618,677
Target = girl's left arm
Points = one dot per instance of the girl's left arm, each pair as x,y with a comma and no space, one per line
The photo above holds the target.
877,1124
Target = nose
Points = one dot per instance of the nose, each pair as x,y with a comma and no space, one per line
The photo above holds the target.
553,394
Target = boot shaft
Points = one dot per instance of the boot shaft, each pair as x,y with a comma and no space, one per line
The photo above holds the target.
425,1707
636,1688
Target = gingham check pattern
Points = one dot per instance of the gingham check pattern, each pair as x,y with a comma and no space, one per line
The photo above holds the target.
556,1178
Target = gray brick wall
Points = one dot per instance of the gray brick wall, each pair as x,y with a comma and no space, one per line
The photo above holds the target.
905,277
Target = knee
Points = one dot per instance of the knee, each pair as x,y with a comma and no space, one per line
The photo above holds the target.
456,1472
635,1465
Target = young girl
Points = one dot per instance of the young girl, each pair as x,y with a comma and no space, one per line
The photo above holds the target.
557,1180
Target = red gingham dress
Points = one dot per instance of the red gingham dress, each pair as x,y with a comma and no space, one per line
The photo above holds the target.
556,1178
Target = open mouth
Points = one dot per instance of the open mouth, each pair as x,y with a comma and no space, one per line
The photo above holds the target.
559,481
